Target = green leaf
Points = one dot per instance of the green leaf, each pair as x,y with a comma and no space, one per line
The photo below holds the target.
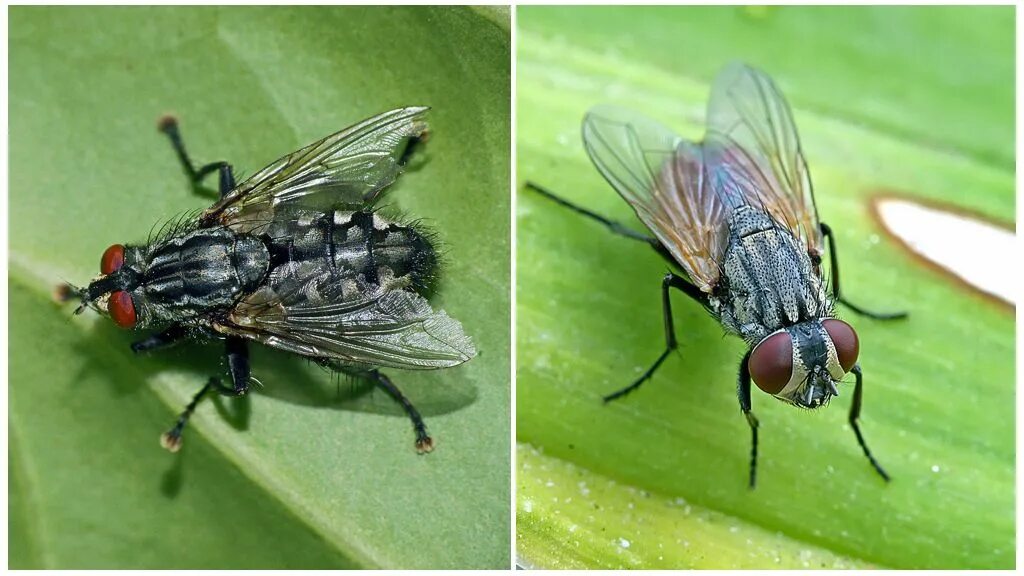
573,518
307,472
914,101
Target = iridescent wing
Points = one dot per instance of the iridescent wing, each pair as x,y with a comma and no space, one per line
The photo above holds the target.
348,168
663,177
750,126
307,310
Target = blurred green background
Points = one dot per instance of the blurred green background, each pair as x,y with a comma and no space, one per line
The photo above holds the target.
911,101
309,471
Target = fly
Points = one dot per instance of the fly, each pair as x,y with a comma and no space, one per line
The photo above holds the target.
735,213
297,258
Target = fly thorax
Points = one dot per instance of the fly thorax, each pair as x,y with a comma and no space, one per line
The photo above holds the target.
201,271
770,277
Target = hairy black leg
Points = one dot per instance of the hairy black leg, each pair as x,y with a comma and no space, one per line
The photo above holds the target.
236,352
424,443
669,281
855,416
171,439
227,179
237,355
168,337
834,264
169,126
743,393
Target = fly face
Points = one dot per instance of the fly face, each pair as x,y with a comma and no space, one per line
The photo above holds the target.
111,292
802,364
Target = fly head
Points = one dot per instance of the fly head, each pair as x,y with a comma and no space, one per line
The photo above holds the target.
801,364
111,292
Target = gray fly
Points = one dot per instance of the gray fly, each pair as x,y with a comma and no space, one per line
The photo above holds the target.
735,213
297,258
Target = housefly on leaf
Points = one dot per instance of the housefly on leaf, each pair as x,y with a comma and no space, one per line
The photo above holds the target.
735,214
296,258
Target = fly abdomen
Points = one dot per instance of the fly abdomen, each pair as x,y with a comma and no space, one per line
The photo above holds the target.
353,244
402,250
204,269
770,277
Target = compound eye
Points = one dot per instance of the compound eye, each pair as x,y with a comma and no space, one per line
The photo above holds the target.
113,258
771,362
122,309
845,341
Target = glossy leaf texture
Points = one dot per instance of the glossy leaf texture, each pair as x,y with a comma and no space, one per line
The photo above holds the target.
309,471
910,101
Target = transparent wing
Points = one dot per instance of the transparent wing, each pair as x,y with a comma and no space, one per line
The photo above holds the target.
305,310
350,167
750,123
663,177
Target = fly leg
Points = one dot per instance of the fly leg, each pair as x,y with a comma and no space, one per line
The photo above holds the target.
669,281
169,126
236,352
615,227
424,443
612,225
237,355
171,440
168,337
743,393
855,416
834,263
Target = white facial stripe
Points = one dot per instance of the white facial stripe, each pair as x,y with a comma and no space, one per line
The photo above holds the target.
835,369
798,376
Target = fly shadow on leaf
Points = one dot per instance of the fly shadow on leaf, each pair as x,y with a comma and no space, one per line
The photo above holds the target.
284,377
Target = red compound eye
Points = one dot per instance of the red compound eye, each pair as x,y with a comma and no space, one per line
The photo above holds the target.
771,362
845,340
113,258
122,309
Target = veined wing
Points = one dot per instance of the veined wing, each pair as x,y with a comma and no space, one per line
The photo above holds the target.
305,310
663,177
751,126
348,168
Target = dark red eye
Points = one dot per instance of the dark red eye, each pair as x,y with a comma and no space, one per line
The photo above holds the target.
845,340
122,309
771,362
113,258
